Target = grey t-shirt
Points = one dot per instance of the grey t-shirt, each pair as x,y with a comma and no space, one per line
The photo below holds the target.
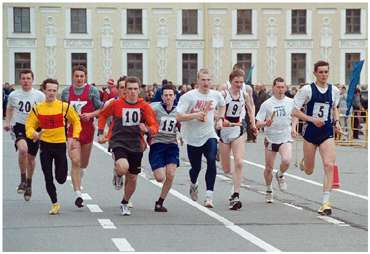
167,124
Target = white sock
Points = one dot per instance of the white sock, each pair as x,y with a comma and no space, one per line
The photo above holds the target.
269,187
280,173
326,196
82,172
209,194
194,184
78,194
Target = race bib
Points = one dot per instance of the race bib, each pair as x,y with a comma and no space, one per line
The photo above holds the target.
234,109
131,116
78,105
321,110
167,125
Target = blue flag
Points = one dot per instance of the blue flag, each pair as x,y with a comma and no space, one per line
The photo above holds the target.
354,80
248,76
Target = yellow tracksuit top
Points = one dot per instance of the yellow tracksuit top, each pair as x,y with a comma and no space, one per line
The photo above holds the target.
49,116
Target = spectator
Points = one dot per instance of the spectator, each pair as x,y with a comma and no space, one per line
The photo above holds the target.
260,95
110,91
356,104
7,89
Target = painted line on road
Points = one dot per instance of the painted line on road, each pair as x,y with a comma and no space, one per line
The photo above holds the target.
294,206
224,178
228,224
333,221
122,244
94,208
107,224
86,196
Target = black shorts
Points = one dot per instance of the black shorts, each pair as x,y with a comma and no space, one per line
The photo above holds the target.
272,146
134,159
20,133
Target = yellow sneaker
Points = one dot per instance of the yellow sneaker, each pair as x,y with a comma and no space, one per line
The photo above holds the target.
54,209
325,209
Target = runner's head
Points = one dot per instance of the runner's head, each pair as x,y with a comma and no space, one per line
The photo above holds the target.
79,74
204,80
50,88
236,79
168,94
121,86
132,89
279,87
26,78
321,72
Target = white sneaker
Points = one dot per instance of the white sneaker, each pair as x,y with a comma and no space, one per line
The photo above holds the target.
125,210
130,204
269,197
208,203
117,181
193,191
281,181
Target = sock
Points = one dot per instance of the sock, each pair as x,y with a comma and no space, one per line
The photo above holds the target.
23,178
269,187
29,182
209,194
160,201
124,202
78,193
82,172
235,195
280,174
326,197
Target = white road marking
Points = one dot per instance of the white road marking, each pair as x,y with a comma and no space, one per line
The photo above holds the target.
122,244
332,220
296,207
94,208
85,196
107,224
223,177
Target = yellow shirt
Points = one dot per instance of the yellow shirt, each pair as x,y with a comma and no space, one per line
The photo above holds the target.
49,116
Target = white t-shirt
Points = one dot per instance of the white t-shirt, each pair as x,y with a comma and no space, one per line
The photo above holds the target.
195,132
23,102
280,129
245,88
304,95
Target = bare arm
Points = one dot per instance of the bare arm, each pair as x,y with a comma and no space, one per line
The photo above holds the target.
251,110
8,118
300,115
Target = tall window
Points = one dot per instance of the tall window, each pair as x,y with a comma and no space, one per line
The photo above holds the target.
189,68
78,59
189,21
135,65
22,22
353,21
245,60
22,61
350,58
134,21
244,22
78,20
299,18
298,68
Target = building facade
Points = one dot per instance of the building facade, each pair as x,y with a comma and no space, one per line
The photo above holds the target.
174,40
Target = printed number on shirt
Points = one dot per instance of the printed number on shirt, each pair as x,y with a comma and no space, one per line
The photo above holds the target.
234,109
321,110
167,125
78,105
24,106
131,116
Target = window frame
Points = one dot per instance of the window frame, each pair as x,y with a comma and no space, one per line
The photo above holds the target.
85,28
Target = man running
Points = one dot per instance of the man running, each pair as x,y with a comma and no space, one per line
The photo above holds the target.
132,118
86,101
164,151
51,116
232,136
275,116
321,114
196,110
19,106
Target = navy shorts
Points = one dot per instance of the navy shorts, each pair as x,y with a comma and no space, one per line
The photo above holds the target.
161,155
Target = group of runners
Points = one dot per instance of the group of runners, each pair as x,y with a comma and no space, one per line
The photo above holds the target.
203,118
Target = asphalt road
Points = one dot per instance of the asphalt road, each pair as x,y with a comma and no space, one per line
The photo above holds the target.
291,223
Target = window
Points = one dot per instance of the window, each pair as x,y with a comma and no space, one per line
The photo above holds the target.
22,21
350,58
22,61
135,65
78,21
298,68
189,21
244,22
299,18
78,59
134,21
189,68
245,60
353,21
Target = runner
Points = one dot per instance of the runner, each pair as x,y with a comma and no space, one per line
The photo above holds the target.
19,106
86,101
164,151
275,116
232,136
132,118
320,100
51,117
196,110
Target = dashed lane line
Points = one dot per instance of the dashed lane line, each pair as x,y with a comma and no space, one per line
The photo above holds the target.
122,244
107,224
94,208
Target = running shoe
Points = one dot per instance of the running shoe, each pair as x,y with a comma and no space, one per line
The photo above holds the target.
21,188
281,181
125,210
79,202
130,204
54,209
235,203
28,193
301,165
193,191
208,203
325,209
269,197
159,208
117,181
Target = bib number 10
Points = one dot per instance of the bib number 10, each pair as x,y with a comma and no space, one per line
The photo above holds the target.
131,116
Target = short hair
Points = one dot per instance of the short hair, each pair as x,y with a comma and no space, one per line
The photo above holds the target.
26,71
236,73
203,71
133,79
49,80
79,68
238,66
123,78
169,87
278,79
319,64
